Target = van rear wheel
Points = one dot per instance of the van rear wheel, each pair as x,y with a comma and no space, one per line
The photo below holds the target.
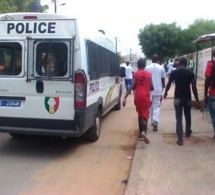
93,133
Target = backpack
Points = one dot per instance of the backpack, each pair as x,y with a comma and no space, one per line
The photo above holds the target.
122,71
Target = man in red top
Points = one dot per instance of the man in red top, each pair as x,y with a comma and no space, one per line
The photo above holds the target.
210,84
142,85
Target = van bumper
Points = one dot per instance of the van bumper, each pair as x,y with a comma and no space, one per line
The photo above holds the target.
83,120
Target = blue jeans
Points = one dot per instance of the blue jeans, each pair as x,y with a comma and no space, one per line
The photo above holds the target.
128,83
181,104
212,109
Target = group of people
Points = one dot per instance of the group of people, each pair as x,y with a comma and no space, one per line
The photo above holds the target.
148,84
171,65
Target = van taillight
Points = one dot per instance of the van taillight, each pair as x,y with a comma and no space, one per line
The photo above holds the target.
80,90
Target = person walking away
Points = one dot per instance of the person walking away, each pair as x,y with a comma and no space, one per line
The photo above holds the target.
191,64
165,66
158,80
142,84
175,64
210,84
183,78
169,67
174,67
129,75
122,71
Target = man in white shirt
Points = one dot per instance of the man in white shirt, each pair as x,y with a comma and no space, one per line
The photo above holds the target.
129,75
169,67
158,80
122,71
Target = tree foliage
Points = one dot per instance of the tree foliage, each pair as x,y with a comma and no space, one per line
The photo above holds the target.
19,6
160,39
169,40
198,28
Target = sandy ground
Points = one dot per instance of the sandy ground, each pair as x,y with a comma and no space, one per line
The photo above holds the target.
90,168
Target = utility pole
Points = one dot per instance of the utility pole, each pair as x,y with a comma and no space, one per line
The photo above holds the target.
130,54
116,43
55,6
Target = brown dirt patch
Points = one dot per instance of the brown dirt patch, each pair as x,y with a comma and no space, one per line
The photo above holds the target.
171,138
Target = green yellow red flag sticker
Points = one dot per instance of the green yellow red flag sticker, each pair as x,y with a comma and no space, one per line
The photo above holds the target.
51,104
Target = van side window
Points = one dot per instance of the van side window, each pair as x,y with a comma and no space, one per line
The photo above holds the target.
51,59
101,61
10,58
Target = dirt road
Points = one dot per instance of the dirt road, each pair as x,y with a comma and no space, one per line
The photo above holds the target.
42,165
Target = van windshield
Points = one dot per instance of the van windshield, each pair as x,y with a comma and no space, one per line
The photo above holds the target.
10,58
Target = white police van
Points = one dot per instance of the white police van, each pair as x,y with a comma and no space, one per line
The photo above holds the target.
54,78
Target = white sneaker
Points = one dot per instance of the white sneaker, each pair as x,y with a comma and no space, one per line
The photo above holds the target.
145,139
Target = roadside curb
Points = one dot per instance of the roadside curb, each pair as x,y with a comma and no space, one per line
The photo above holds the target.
136,166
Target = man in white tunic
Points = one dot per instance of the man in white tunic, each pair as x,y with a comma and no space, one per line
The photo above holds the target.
158,80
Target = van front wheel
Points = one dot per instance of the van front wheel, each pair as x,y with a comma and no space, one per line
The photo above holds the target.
93,133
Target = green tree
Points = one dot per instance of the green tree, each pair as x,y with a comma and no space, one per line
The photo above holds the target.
5,6
161,39
169,40
19,5
197,28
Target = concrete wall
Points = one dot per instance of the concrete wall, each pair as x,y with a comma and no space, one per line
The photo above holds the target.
203,57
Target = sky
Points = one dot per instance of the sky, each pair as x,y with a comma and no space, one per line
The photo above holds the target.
122,19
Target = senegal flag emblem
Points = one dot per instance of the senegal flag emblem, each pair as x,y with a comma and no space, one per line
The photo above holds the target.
51,104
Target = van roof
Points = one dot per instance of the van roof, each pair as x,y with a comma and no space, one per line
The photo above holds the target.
32,15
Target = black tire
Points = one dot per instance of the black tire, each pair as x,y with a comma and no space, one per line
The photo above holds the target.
118,105
93,133
16,135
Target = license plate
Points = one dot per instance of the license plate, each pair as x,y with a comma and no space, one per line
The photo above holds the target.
10,103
